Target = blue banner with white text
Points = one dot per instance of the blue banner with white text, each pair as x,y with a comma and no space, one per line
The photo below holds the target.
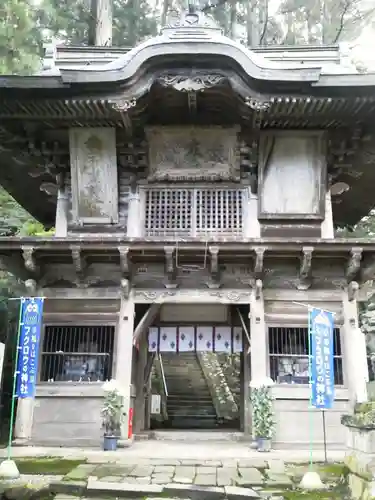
28,349
321,356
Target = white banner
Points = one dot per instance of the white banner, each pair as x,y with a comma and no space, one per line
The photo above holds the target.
223,339
168,339
153,338
204,338
186,339
237,339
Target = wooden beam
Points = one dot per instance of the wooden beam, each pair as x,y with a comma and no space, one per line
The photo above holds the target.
146,321
79,263
305,274
31,266
259,259
214,267
354,264
170,267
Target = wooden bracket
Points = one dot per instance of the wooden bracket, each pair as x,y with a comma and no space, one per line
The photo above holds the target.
79,263
214,267
31,266
124,261
259,259
354,264
170,267
353,289
305,271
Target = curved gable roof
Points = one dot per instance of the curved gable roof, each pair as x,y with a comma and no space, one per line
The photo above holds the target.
195,34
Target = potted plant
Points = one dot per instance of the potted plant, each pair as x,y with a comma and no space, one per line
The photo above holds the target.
263,420
112,415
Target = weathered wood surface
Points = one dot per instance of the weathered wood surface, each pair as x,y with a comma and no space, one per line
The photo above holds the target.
94,175
291,175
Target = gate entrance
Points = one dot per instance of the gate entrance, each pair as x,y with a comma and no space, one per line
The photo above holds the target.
197,374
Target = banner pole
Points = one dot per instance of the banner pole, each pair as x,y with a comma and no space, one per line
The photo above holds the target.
13,402
311,423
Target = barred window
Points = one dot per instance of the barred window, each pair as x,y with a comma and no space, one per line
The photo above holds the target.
77,353
288,355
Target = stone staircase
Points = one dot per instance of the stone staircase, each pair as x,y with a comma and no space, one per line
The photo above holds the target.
189,401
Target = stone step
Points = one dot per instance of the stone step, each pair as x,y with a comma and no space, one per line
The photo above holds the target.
191,412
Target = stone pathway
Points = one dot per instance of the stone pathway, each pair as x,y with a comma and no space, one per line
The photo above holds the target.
187,478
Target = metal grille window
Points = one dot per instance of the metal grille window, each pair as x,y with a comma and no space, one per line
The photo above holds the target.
193,212
288,353
77,353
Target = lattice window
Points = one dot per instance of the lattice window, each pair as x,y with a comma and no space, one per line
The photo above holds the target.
77,353
289,360
193,212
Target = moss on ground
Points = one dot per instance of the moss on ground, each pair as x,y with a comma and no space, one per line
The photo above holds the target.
46,465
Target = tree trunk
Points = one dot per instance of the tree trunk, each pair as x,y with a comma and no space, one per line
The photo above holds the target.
100,29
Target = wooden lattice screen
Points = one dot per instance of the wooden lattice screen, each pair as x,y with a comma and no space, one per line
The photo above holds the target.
193,212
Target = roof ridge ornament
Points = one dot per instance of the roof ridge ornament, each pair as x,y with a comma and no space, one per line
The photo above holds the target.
192,19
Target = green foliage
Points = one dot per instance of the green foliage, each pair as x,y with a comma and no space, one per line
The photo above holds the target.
263,420
35,228
112,410
20,37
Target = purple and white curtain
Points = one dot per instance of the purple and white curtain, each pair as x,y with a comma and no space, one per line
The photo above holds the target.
195,339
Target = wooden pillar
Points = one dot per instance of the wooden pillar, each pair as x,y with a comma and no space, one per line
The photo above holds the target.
124,355
246,377
140,400
258,354
61,223
355,357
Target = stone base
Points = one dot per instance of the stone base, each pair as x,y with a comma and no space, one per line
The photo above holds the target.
360,461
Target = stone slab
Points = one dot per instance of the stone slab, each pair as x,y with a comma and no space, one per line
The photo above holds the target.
182,480
142,471
206,470
187,471
276,466
161,479
278,479
235,493
194,491
111,479
164,469
250,476
205,479
124,489
226,476
81,472
252,462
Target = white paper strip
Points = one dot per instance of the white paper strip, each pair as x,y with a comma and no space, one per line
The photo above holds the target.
223,339
153,337
186,341
168,339
237,339
204,338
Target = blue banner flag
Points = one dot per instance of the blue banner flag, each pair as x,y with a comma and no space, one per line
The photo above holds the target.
28,349
321,358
